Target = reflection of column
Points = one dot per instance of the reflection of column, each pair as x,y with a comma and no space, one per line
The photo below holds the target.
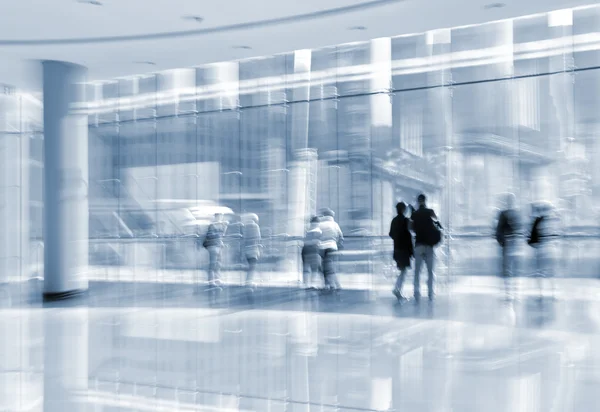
65,360
303,345
66,181
14,190
300,97
381,380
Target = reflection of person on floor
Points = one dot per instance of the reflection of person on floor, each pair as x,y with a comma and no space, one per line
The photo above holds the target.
427,231
251,242
311,259
403,246
214,244
543,237
507,234
331,240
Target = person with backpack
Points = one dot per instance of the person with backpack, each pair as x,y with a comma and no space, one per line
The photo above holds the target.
507,234
428,234
213,242
403,247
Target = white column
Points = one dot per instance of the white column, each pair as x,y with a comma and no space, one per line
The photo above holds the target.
66,181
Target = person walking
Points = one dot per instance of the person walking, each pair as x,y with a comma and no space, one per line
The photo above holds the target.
427,231
332,240
214,244
311,258
507,234
403,247
251,246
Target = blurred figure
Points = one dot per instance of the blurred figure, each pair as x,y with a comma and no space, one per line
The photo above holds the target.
331,240
403,246
214,244
251,246
311,258
234,237
507,233
426,227
543,237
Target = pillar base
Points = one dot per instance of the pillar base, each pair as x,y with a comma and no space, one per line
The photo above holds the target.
54,296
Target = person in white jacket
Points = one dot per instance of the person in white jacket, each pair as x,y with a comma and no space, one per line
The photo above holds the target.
332,239
252,245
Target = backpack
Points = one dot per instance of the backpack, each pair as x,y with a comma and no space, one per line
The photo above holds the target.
435,233
534,236
505,226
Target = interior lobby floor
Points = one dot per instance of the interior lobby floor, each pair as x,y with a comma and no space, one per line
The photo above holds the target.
155,346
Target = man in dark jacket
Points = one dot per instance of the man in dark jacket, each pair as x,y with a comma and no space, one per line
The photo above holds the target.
508,232
403,246
426,228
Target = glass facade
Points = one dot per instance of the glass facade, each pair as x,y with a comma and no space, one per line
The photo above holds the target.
462,115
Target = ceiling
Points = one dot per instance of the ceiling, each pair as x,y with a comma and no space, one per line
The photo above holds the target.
122,37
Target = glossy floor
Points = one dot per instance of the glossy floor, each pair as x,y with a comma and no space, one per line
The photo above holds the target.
143,347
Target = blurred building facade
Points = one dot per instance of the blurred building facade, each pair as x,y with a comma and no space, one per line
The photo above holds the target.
461,114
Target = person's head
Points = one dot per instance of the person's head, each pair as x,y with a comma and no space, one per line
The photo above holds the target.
314,220
218,217
421,199
252,218
328,213
511,201
401,208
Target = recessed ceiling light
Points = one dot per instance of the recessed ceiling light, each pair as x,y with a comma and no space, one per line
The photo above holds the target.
197,19
147,63
243,47
91,2
359,28
494,6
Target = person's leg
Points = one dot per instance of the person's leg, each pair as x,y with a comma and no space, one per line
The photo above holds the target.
211,264
331,276
315,270
322,267
400,281
217,272
251,269
306,269
507,268
539,272
418,263
325,269
429,261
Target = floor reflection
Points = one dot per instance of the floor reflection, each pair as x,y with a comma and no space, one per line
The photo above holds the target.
300,352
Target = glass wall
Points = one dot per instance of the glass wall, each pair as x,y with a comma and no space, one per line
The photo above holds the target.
463,115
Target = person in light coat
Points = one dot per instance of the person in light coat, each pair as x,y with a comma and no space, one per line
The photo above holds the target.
251,246
332,239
